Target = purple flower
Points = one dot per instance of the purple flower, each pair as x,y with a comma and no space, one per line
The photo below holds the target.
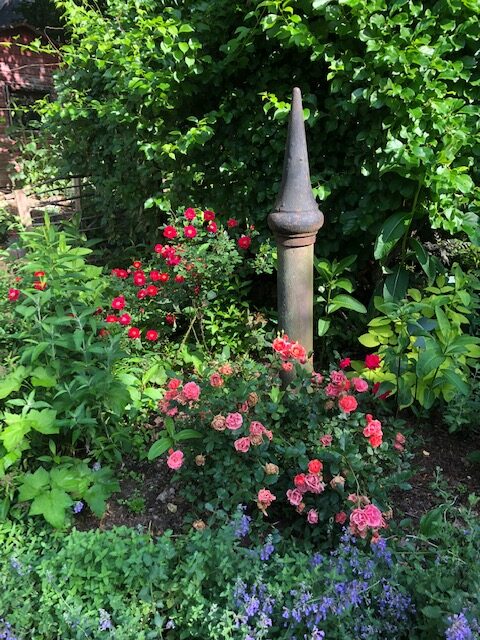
241,523
105,622
96,466
6,632
459,628
78,506
266,551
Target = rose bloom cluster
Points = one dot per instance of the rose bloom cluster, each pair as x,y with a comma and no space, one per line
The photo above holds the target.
373,431
365,519
311,482
180,394
289,351
340,387
256,433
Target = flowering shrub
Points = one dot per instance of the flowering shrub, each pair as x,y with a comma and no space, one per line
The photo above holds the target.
191,287
313,450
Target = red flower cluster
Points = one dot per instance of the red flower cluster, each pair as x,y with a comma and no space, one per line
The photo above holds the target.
13,294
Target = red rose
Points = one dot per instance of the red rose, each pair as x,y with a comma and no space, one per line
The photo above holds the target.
208,215
151,290
152,335
212,227
164,277
170,232
134,333
136,264
111,318
139,278
372,361
173,260
179,279
158,248
154,275
231,222
348,404
343,364
244,242
118,303
141,294
189,231
125,319
13,294
40,286
190,214
315,466
39,274
170,318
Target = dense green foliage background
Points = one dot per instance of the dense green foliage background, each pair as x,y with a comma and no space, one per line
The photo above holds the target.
170,102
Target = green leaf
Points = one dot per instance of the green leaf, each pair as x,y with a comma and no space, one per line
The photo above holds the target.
13,381
429,360
368,340
41,377
159,447
424,259
51,505
431,522
43,421
432,612
96,498
443,322
323,326
344,301
33,484
456,381
17,429
390,233
188,434
396,284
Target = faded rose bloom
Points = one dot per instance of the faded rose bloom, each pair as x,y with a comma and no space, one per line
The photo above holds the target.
326,440
256,440
294,497
400,438
256,428
338,378
301,507
252,399
312,516
225,369
200,460
398,446
271,469
348,404
242,445
268,434
234,421
337,482
264,500
199,525
313,483
388,514
332,391
360,385
216,380
329,404
317,378
243,407
340,517
218,423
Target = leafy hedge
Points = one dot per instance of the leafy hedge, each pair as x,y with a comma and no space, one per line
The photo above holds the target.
169,101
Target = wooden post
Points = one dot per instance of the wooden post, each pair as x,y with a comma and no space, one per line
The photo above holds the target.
23,209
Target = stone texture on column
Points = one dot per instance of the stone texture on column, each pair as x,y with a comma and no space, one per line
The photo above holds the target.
294,223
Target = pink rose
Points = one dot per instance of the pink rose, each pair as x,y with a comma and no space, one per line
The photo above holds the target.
268,434
312,516
313,483
375,440
398,446
400,438
341,517
191,391
225,369
287,366
360,385
294,497
338,378
348,404
256,428
233,421
332,390
373,516
317,378
358,520
326,440
242,445
265,497
216,380
175,459
174,383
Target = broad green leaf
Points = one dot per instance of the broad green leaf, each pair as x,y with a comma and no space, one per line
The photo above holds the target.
424,259
13,381
456,381
428,361
443,322
323,326
41,377
17,428
368,340
431,522
96,498
344,301
33,484
159,447
187,434
390,233
51,505
396,284
43,421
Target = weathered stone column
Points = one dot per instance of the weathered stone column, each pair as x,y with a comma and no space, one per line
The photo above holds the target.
295,222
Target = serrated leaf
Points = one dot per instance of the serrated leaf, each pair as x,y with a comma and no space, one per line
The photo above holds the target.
43,421
17,428
33,484
12,382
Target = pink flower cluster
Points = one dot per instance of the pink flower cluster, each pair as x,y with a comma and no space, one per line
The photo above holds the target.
255,437
190,392
289,350
340,385
364,518
264,500
311,482
373,431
